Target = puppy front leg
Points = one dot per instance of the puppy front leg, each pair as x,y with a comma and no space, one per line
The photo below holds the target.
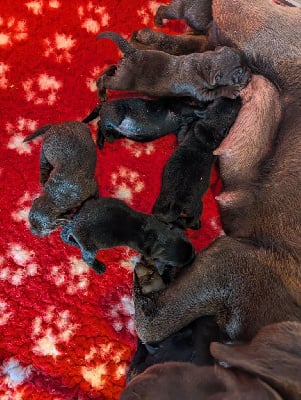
101,82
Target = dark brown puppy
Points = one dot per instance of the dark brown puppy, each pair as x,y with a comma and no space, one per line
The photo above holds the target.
272,48
67,167
195,16
108,222
186,176
143,120
204,76
148,39
274,355
251,277
182,380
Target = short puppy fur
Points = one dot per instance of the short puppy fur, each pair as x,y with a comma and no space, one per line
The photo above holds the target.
203,76
67,168
186,176
143,120
107,222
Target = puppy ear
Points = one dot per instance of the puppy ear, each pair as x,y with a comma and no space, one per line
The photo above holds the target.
274,355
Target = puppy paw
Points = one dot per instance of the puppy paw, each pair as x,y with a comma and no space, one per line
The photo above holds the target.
98,267
232,92
149,280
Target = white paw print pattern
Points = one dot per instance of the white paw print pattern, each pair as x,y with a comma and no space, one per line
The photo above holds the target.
23,207
138,149
14,374
5,314
126,183
75,279
36,6
50,330
42,90
59,47
4,68
98,373
95,73
147,13
126,309
16,131
12,30
23,258
93,17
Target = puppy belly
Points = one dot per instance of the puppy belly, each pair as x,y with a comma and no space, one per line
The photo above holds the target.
252,134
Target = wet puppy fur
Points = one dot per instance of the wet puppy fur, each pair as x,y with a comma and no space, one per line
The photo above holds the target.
67,168
203,76
107,222
251,276
253,371
144,120
186,176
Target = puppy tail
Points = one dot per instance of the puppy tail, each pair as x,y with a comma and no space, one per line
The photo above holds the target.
122,43
37,133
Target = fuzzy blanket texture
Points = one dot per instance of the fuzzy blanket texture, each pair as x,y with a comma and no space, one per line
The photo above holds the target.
66,332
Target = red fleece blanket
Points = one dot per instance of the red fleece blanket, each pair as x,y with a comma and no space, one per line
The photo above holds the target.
66,332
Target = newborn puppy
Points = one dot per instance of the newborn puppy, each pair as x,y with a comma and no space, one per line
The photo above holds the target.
272,49
108,222
183,380
250,277
186,175
195,15
67,167
143,120
203,76
274,355
190,344
148,39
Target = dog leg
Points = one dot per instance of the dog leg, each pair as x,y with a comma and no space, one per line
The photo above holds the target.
93,115
101,82
166,12
100,138
66,235
231,280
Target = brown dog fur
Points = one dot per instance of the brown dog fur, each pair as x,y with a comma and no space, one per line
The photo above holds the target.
274,355
148,39
252,277
181,380
204,76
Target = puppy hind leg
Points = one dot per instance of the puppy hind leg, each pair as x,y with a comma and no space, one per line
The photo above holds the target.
93,114
100,138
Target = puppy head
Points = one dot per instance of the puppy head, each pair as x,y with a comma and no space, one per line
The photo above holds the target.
179,380
220,115
44,217
227,67
167,245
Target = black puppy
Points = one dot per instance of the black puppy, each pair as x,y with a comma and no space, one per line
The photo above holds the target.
186,175
67,168
108,222
143,120
203,76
